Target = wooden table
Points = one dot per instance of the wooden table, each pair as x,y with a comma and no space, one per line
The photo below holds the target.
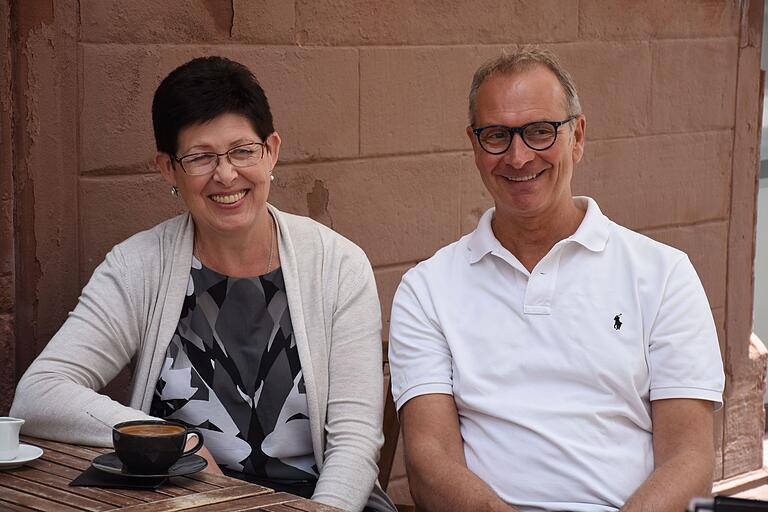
43,485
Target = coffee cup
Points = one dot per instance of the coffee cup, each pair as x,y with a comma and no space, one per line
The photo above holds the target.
9,437
151,447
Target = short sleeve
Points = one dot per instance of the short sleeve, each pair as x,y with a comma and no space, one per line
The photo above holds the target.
419,356
684,354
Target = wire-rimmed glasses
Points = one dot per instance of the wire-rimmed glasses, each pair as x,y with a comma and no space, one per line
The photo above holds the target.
539,135
199,164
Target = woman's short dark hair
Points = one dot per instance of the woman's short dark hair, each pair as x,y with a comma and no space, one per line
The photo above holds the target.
203,89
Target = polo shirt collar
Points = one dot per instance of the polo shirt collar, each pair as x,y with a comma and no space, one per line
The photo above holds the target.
592,233
594,229
482,241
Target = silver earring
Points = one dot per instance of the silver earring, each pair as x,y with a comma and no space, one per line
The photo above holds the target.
271,176
174,191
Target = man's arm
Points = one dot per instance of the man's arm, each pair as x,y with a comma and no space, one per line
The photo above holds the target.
434,458
684,456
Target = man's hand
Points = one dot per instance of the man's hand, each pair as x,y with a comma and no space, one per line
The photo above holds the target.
684,456
212,467
434,458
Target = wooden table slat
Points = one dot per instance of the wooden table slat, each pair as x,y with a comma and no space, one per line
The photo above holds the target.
193,485
199,499
149,495
84,452
34,502
50,493
210,478
53,468
172,490
7,506
282,507
66,460
249,503
58,482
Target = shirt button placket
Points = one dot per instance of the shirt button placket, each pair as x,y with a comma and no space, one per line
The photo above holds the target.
541,284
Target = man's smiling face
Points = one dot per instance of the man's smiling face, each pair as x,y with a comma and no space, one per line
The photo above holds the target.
525,183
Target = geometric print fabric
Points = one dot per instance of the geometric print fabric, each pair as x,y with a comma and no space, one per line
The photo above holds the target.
232,369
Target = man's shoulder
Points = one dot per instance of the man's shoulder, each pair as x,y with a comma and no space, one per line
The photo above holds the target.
645,257
445,261
598,231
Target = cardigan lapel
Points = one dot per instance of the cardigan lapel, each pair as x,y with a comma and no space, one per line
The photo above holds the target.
293,289
164,317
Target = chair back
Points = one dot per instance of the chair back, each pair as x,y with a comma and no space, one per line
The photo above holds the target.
391,427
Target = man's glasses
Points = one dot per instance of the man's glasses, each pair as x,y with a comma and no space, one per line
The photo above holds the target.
540,135
198,164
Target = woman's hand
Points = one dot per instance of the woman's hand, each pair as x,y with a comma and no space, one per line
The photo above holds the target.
212,467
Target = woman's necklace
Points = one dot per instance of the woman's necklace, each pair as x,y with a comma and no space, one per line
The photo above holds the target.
271,242
272,229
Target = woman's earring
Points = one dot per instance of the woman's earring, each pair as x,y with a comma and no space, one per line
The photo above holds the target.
271,176
174,191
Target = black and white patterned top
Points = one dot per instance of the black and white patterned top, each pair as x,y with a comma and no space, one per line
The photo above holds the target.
232,369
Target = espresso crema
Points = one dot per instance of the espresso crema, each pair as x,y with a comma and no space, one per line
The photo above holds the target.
151,430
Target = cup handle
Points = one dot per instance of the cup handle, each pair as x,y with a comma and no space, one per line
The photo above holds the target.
199,443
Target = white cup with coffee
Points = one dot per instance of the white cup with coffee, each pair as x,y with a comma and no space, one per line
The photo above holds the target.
9,437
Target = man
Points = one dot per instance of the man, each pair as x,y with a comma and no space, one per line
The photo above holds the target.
551,359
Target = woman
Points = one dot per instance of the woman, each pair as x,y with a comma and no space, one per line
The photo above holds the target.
259,327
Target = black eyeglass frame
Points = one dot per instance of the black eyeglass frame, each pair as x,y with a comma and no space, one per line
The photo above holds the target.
179,159
520,130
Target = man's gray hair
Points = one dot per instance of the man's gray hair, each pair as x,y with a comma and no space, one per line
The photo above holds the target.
524,58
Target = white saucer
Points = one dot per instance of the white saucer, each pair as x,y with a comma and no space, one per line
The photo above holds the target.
27,453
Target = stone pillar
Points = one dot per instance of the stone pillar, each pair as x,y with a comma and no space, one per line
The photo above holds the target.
745,355
7,288
45,170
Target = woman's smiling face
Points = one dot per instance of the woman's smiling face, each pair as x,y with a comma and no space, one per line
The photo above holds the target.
229,199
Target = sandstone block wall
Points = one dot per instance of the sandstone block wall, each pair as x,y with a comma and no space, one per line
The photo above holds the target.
370,100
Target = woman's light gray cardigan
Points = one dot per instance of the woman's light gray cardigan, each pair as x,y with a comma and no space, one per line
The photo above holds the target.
129,310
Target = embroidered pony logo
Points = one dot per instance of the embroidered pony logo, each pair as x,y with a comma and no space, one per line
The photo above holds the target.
617,322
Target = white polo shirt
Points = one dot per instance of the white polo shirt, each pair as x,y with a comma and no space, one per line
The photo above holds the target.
553,371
